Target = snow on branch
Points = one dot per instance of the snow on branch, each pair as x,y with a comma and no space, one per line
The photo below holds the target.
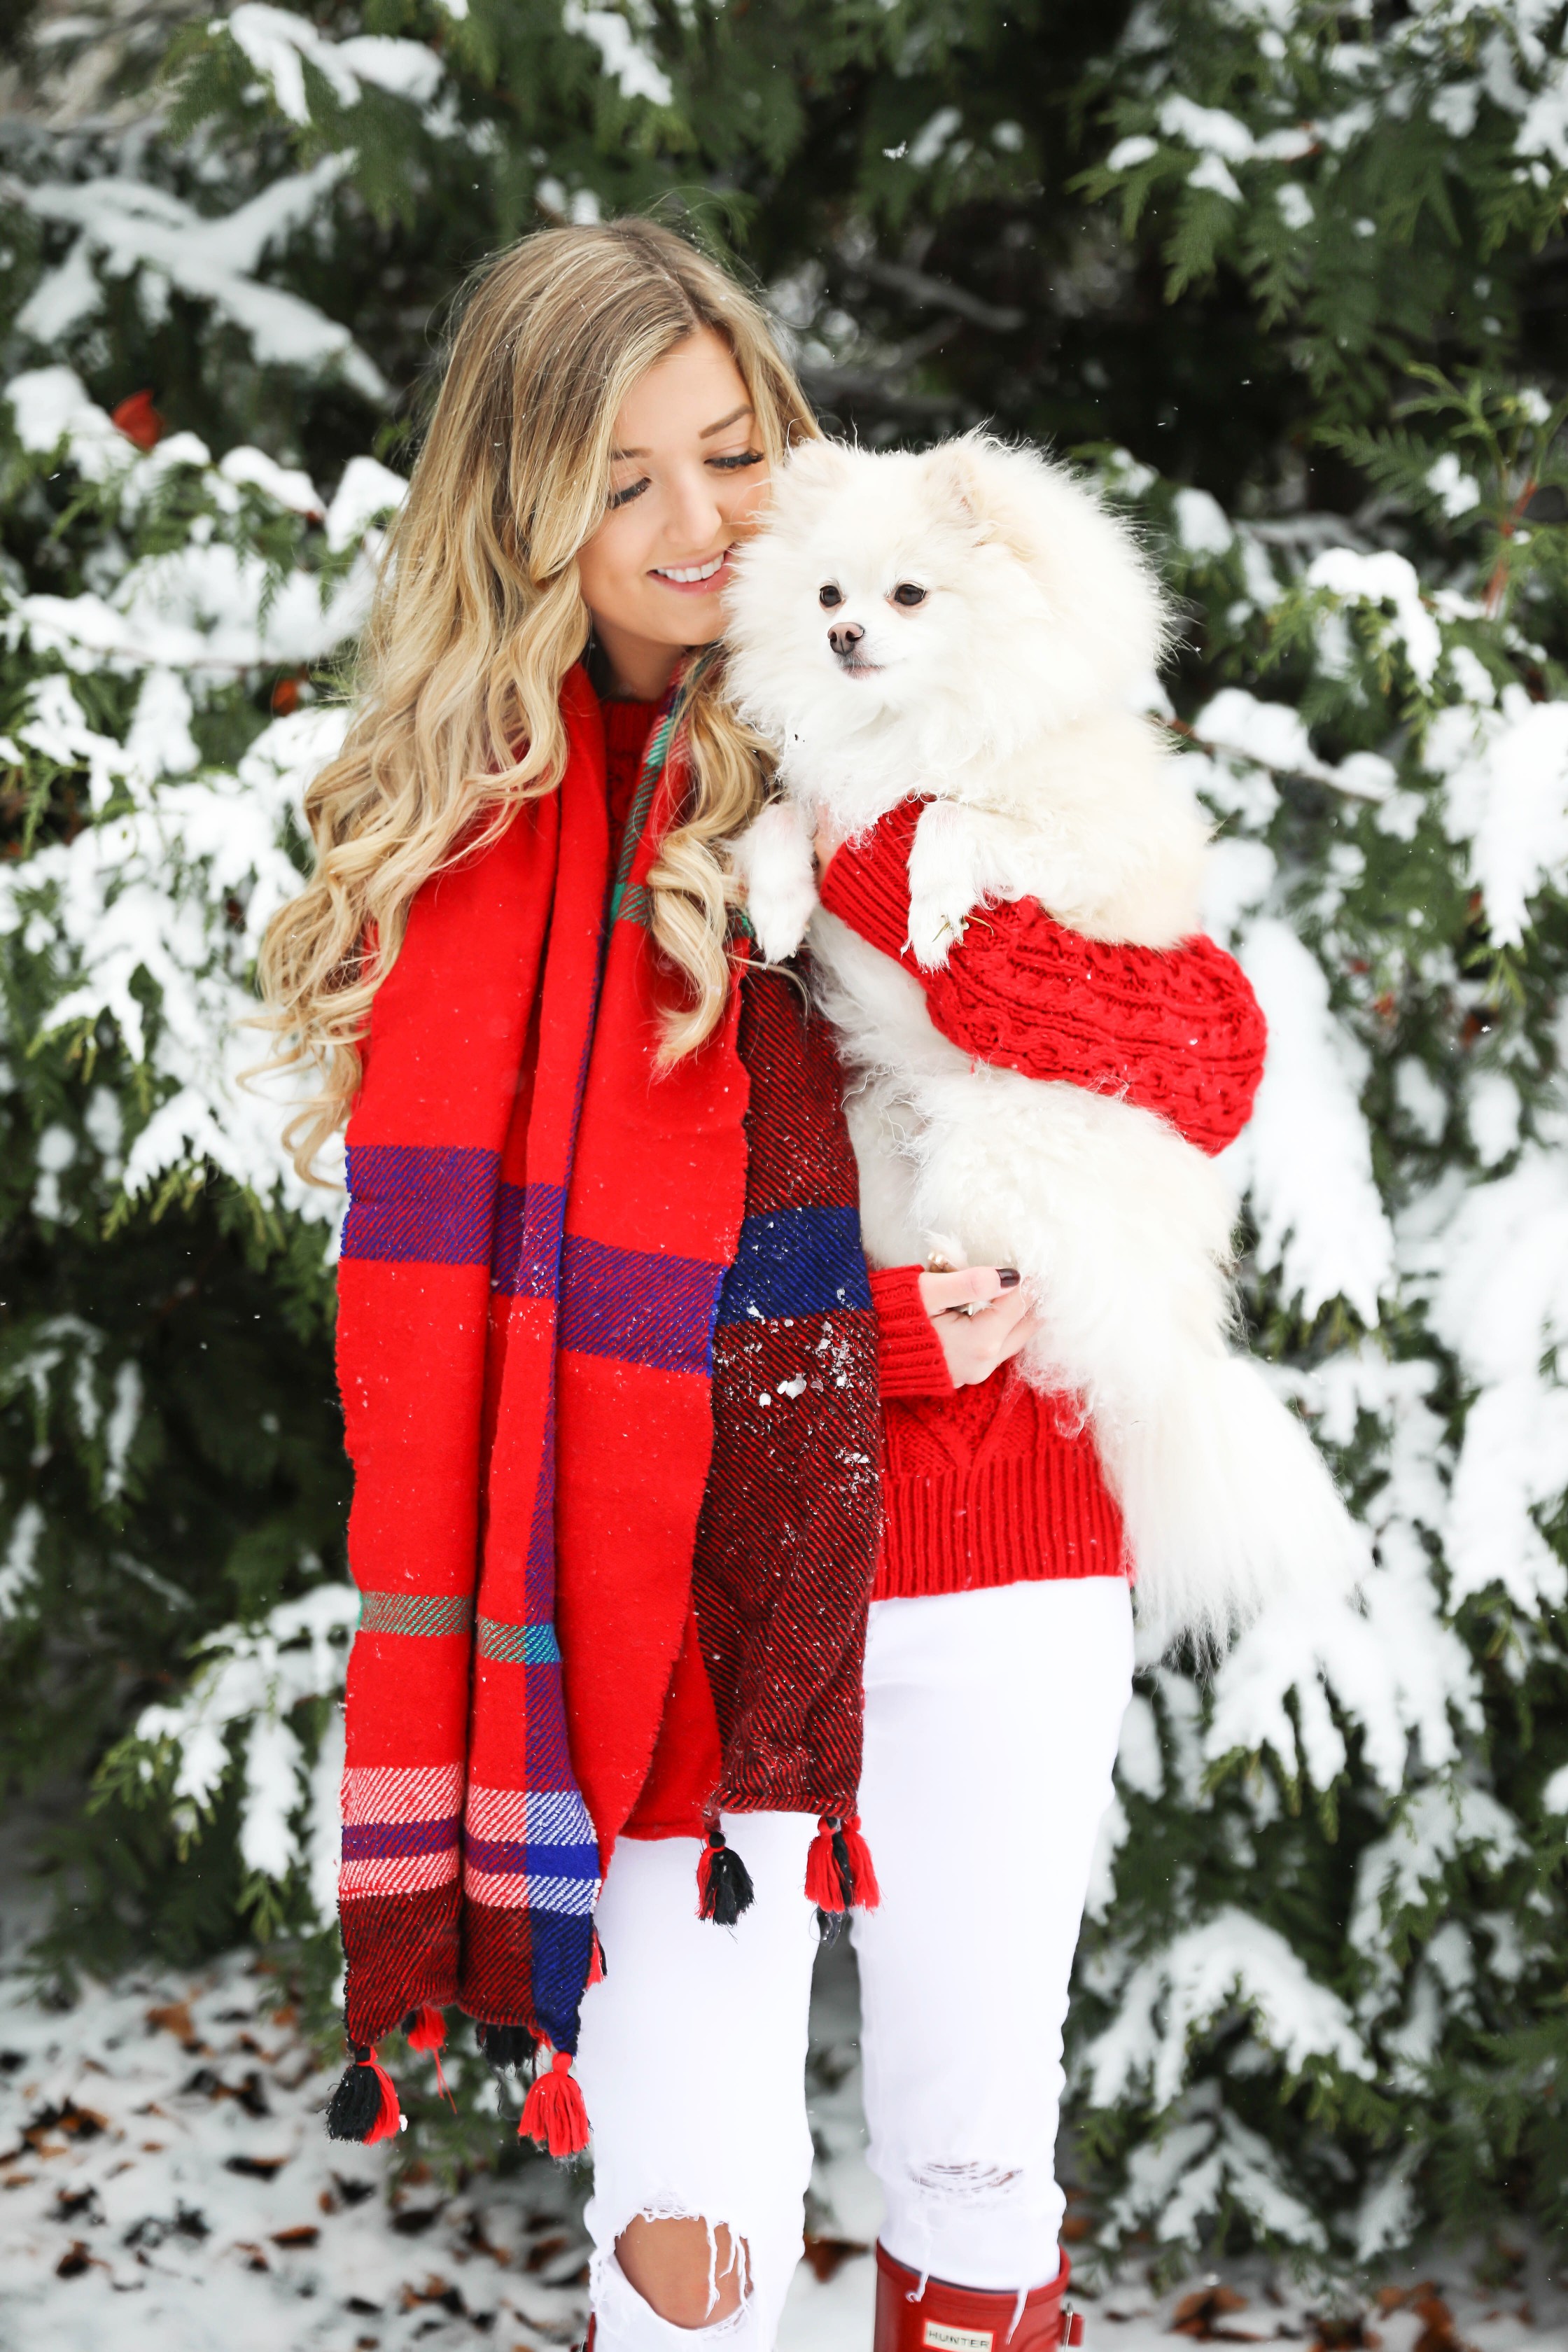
128,226
172,886
252,1680
623,52
1492,1260
1306,1158
279,44
1233,1962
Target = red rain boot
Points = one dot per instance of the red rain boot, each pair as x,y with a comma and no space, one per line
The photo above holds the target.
968,2318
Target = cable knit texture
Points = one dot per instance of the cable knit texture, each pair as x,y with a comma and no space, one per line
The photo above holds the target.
1176,1031
910,1359
995,1484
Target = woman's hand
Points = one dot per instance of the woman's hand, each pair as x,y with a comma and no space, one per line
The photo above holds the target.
981,1318
828,839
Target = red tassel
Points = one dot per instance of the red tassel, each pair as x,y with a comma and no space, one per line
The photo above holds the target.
389,2118
425,2028
867,1893
823,1885
554,2115
838,1867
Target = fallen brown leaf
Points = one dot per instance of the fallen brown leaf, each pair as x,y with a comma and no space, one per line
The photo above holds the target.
1198,2315
1438,2330
1345,2333
828,2256
174,2017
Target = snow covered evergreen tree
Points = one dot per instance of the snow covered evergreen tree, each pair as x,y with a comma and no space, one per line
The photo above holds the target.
1292,281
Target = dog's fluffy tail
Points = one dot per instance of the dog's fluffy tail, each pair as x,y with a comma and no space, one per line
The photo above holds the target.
1228,1503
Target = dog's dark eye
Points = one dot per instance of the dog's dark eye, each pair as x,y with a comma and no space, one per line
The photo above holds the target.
906,593
829,596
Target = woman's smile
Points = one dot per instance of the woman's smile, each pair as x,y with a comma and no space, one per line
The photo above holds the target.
702,576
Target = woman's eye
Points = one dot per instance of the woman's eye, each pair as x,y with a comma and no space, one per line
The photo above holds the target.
829,596
732,464
624,498
906,593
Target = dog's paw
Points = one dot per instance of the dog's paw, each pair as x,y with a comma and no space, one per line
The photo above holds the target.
773,859
943,889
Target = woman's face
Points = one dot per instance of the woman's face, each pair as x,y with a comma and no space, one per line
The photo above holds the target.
687,480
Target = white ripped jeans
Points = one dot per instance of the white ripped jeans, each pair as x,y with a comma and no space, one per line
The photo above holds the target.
992,1721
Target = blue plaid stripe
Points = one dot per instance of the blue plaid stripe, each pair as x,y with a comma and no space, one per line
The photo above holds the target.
795,1261
638,1306
572,1865
548,1760
567,1896
389,1841
544,1836
423,1204
528,1220
561,1948
540,1590
518,1645
557,1817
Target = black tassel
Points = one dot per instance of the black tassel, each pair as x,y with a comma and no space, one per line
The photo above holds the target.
507,2047
723,1882
354,2105
830,1925
843,1866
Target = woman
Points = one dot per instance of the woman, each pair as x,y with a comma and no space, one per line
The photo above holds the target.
635,1435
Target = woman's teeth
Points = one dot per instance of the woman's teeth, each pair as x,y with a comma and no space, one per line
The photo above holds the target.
687,575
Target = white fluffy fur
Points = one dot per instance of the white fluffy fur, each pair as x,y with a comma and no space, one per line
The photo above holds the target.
1005,696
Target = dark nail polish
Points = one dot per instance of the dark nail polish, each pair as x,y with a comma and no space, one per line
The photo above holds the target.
1008,1277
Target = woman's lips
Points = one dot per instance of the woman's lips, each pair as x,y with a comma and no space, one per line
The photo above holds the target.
703,578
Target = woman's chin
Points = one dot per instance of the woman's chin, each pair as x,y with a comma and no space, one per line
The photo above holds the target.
689,620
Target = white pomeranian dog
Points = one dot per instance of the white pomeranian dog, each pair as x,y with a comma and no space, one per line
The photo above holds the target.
971,624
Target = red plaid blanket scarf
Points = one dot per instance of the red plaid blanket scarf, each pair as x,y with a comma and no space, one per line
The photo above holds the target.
548,1251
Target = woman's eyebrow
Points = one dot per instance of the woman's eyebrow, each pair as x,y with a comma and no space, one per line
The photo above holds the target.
733,418
706,434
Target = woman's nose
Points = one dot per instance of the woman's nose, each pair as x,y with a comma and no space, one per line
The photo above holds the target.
697,517
844,637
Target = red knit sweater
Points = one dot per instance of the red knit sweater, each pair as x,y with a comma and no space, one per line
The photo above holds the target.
993,1484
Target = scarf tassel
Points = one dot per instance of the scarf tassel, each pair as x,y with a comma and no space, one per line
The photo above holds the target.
364,2105
724,1888
839,1873
509,2048
424,2028
554,2116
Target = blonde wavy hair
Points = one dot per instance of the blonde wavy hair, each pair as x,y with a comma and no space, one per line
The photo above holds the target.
477,619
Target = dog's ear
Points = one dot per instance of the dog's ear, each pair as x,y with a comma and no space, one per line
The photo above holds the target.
1084,561
980,477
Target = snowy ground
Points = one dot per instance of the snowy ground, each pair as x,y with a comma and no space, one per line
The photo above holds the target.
165,2186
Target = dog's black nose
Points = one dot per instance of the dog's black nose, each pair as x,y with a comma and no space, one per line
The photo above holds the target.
845,638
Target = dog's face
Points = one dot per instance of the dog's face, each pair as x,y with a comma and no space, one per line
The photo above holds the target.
860,599
973,592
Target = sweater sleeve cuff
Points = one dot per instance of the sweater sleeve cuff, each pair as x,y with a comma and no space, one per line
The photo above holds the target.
909,1357
867,884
